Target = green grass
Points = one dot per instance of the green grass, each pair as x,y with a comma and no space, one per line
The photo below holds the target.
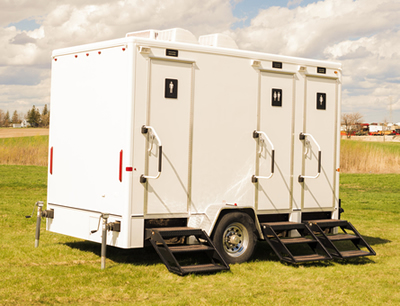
65,270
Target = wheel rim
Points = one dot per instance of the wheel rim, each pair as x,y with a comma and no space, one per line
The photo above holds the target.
235,239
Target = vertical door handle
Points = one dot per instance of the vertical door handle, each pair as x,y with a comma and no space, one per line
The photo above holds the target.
303,136
261,136
153,135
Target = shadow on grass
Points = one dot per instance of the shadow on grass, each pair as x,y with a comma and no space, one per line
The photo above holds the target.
375,240
263,252
143,256
146,256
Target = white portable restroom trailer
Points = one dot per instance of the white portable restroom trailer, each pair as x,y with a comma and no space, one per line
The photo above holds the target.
166,134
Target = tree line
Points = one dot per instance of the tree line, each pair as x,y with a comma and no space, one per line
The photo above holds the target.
34,117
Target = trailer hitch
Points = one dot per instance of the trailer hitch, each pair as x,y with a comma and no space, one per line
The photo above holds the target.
40,214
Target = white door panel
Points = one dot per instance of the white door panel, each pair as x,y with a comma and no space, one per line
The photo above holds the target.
169,116
320,120
276,119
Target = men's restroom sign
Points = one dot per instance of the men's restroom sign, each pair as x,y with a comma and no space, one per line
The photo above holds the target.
276,97
171,88
321,100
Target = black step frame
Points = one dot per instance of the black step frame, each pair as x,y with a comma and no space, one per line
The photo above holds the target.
166,252
271,230
319,227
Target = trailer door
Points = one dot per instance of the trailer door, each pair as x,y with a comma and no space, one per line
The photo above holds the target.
168,121
319,141
275,142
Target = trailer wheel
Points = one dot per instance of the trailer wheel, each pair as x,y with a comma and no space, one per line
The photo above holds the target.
235,237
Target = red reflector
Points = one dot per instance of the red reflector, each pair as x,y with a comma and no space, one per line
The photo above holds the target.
51,160
129,169
87,54
123,49
76,56
120,165
99,52
55,60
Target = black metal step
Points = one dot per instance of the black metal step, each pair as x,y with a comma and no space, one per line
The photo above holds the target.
279,226
159,239
190,248
341,237
307,258
354,253
332,241
205,268
275,232
297,240
177,231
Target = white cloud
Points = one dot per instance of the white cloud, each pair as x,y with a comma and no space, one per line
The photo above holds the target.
363,34
25,57
294,2
22,97
372,67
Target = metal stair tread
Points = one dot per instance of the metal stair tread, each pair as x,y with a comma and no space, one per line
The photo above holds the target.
284,225
297,240
328,222
177,231
311,257
203,268
354,253
190,248
340,237
166,229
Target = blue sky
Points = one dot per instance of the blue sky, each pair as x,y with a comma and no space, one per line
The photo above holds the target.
364,35
246,10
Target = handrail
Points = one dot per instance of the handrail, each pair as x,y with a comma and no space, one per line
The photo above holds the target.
145,130
257,134
303,136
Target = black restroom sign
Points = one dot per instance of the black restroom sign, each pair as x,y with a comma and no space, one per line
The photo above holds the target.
171,88
321,100
276,97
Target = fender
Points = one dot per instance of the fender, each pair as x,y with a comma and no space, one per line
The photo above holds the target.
207,220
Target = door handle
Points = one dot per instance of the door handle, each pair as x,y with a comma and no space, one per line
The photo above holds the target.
153,134
303,136
261,136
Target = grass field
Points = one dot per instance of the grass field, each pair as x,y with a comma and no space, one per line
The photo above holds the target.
31,150
65,270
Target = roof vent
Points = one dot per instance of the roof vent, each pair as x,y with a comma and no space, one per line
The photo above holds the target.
173,35
152,34
218,40
177,35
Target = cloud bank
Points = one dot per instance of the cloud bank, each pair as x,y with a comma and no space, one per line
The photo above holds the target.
363,34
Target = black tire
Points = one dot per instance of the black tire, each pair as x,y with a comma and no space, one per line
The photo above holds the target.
235,237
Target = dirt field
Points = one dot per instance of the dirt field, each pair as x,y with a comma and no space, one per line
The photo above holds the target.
22,132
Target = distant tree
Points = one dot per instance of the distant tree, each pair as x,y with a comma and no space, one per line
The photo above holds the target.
33,117
45,118
2,116
351,122
45,110
7,119
15,117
